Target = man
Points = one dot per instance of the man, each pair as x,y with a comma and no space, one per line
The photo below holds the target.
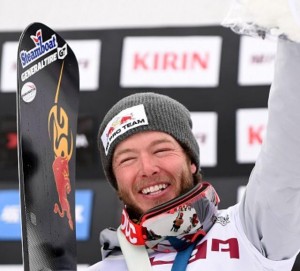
151,158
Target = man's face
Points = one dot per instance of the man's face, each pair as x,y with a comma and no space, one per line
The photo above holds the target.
151,168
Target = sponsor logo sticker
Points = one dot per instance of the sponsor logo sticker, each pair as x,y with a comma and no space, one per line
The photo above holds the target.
41,48
124,121
62,52
28,92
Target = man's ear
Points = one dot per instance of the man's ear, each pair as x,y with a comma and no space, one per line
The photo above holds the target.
193,168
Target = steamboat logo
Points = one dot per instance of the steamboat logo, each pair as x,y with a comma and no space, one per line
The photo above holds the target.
40,49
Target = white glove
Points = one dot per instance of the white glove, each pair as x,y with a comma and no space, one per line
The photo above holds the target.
265,18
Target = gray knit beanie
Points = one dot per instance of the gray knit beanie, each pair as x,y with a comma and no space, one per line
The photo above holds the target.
145,112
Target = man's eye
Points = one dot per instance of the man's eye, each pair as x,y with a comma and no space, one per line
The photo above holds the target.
125,160
163,150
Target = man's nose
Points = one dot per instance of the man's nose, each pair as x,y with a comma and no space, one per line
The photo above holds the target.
148,165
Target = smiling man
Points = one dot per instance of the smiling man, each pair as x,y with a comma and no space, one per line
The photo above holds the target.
151,168
151,156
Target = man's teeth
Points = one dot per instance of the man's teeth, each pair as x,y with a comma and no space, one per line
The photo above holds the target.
154,188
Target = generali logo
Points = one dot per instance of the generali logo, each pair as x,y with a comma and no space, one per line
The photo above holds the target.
171,61
60,134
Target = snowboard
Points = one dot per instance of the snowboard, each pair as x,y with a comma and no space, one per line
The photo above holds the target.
47,110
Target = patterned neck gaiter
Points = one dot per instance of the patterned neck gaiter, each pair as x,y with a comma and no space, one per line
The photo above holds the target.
174,225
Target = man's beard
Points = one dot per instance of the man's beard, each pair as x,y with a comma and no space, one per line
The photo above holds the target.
186,184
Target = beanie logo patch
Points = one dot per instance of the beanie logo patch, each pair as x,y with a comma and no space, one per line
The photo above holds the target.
126,120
